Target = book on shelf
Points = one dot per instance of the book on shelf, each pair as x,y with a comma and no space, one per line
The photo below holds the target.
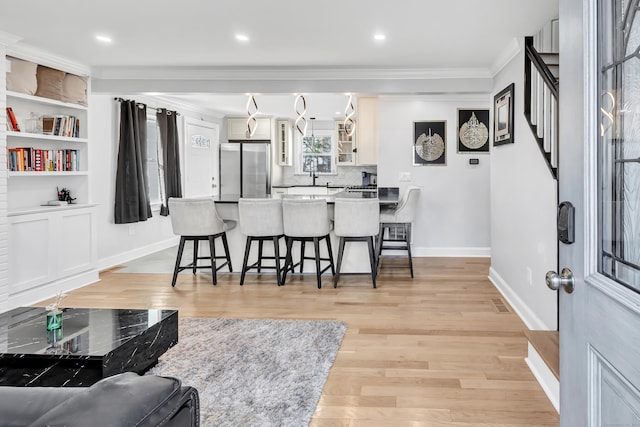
68,126
11,118
26,159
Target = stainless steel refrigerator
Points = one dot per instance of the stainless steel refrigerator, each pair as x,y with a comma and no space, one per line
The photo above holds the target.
245,169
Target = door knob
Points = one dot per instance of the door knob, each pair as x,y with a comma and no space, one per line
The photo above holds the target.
564,280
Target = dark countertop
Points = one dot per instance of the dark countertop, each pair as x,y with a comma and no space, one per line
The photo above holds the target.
385,199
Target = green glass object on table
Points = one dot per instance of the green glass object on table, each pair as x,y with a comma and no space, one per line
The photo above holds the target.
54,320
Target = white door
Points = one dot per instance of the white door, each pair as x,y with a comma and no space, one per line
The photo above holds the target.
600,175
201,158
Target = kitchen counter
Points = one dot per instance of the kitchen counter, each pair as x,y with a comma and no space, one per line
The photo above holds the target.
385,198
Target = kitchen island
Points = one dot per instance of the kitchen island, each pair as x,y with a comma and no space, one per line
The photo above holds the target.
356,256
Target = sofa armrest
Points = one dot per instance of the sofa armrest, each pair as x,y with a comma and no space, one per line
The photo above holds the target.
126,400
20,406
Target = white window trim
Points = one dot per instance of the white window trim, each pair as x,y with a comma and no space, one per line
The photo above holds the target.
334,152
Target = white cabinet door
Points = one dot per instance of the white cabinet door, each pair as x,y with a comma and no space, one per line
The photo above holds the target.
284,136
367,131
307,190
237,129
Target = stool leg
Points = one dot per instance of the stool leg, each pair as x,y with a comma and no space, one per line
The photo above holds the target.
196,244
316,248
226,251
301,256
340,252
276,256
212,251
333,270
260,255
380,241
288,259
178,258
407,232
372,260
247,249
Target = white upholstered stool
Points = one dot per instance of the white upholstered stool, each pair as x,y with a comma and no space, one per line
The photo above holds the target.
261,220
356,220
400,217
307,221
196,220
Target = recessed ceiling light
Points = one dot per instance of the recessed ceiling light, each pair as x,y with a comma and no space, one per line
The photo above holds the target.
103,39
242,37
338,113
379,37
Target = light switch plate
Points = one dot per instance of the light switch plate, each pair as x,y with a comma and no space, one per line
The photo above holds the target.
405,176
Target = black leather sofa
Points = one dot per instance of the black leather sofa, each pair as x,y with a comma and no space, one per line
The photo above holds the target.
123,400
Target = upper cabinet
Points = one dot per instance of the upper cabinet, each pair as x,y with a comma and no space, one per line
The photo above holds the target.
346,145
367,131
284,136
237,129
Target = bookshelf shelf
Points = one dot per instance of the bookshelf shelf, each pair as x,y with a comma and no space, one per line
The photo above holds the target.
47,174
44,101
41,136
29,210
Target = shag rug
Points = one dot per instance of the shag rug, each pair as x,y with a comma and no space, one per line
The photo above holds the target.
253,372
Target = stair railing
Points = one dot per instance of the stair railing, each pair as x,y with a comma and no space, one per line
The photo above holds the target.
541,104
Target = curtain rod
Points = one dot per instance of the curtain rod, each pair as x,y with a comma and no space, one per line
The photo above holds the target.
142,103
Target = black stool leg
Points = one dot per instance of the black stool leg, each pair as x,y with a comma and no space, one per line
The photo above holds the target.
212,253
407,232
380,242
276,255
247,249
260,255
288,259
226,251
301,256
316,248
178,258
340,252
328,238
372,260
196,244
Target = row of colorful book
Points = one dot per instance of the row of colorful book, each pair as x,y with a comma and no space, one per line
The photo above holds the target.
29,159
68,126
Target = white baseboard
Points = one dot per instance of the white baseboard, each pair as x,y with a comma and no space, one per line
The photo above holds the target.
51,289
124,257
522,309
545,377
464,252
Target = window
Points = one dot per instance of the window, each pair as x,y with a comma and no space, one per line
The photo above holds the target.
154,162
317,153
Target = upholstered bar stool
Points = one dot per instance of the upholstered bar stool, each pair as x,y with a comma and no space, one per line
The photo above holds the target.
196,220
307,221
393,220
261,220
356,220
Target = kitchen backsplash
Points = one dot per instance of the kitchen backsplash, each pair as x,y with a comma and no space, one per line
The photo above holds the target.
347,175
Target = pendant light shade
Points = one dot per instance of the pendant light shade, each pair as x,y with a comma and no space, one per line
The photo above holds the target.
300,107
252,111
349,123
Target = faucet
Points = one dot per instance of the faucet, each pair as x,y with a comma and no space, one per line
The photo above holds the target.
313,175
313,171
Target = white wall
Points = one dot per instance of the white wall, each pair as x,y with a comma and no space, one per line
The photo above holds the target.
453,214
118,243
523,210
4,227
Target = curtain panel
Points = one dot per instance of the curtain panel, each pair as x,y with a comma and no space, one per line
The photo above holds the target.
167,123
132,195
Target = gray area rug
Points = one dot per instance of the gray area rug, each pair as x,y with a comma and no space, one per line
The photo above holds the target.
254,372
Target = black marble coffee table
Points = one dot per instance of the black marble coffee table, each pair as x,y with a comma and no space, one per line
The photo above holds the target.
95,343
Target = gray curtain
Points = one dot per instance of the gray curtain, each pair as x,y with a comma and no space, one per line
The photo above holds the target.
167,123
132,189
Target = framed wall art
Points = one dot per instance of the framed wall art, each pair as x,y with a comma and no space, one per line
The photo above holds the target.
473,130
430,143
503,116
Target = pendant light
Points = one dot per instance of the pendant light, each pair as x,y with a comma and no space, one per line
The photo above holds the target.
349,123
300,107
252,111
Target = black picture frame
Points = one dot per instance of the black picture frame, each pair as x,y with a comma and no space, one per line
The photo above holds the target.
473,130
430,143
503,116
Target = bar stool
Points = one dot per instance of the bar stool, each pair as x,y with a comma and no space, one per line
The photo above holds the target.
356,220
392,219
261,220
307,221
196,220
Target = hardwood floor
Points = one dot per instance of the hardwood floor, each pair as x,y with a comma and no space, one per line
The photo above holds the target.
443,349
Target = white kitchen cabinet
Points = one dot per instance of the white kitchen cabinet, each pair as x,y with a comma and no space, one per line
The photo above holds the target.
346,145
284,137
278,192
367,131
237,129
310,190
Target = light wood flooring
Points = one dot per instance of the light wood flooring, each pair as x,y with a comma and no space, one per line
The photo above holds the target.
443,349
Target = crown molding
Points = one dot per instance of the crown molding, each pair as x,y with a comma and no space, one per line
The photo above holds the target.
511,51
7,39
284,73
42,57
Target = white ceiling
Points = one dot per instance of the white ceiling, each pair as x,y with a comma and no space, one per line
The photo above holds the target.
422,35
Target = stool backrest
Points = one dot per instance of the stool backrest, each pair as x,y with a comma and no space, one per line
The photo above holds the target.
356,217
194,217
408,205
260,217
305,218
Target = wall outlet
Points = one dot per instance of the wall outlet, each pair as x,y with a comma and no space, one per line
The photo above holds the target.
404,176
529,276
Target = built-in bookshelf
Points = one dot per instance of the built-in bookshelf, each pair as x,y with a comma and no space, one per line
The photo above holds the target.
46,151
